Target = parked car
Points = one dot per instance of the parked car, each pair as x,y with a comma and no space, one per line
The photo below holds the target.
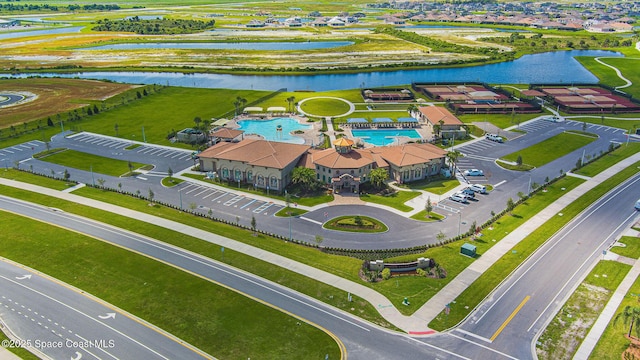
478,188
473,172
495,137
459,198
469,192
637,205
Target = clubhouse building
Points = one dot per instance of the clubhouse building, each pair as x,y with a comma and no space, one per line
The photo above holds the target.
268,164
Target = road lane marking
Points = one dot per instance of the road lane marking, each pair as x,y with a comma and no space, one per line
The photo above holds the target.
508,320
482,346
310,220
500,183
474,335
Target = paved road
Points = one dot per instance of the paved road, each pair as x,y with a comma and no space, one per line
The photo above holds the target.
509,321
60,322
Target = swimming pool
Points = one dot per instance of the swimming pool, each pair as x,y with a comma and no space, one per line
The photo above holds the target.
384,137
269,129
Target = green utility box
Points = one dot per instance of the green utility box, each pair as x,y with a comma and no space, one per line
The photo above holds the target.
468,249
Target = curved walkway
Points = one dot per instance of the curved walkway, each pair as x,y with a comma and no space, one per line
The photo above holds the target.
628,82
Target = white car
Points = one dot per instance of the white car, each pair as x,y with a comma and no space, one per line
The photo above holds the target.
637,205
478,188
495,137
459,198
473,172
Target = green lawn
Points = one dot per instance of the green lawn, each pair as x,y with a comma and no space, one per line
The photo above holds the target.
89,162
563,336
632,248
472,296
422,216
23,176
395,200
627,65
502,121
621,153
159,294
437,186
361,224
613,342
550,149
325,107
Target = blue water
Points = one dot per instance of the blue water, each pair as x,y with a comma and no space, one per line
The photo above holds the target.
384,137
19,34
267,129
550,67
226,46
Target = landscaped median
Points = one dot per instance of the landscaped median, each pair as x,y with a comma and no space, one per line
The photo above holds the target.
546,151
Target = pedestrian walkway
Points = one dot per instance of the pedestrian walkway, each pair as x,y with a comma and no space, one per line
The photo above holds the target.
415,324
609,311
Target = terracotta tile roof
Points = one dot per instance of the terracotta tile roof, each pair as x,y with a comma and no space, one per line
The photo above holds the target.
409,154
343,141
436,113
257,152
352,160
227,133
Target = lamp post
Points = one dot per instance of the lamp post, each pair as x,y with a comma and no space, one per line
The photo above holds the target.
93,181
289,212
459,221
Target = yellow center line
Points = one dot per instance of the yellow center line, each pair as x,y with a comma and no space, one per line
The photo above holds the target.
513,314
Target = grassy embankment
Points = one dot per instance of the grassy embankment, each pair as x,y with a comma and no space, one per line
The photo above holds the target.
159,294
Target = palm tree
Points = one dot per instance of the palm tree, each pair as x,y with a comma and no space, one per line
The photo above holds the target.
453,157
631,315
239,103
291,100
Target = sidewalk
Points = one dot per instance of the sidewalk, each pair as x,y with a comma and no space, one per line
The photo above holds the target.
598,328
418,322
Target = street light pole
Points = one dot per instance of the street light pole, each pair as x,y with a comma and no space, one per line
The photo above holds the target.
289,226
459,221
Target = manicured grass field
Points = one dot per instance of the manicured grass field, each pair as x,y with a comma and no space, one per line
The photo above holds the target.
563,336
422,216
628,66
502,121
550,149
438,186
363,224
84,161
395,200
325,107
631,250
22,176
159,293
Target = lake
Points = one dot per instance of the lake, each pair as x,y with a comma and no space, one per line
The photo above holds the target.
40,31
551,67
263,46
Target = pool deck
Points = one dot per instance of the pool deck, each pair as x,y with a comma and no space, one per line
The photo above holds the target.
313,136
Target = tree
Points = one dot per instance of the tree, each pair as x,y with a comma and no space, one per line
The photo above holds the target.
378,177
95,109
290,101
66,175
193,206
630,315
428,207
130,165
101,181
253,225
49,122
441,236
319,239
584,126
120,187
287,201
519,160
453,157
170,174
510,205
473,229
304,176
151,195
197,120
239,103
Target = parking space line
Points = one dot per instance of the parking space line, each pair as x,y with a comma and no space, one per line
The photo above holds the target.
233,200
223,194
188,186
214,192
263,208
203,191
15,148
144,149
7,150
178,154
197,187
247,204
